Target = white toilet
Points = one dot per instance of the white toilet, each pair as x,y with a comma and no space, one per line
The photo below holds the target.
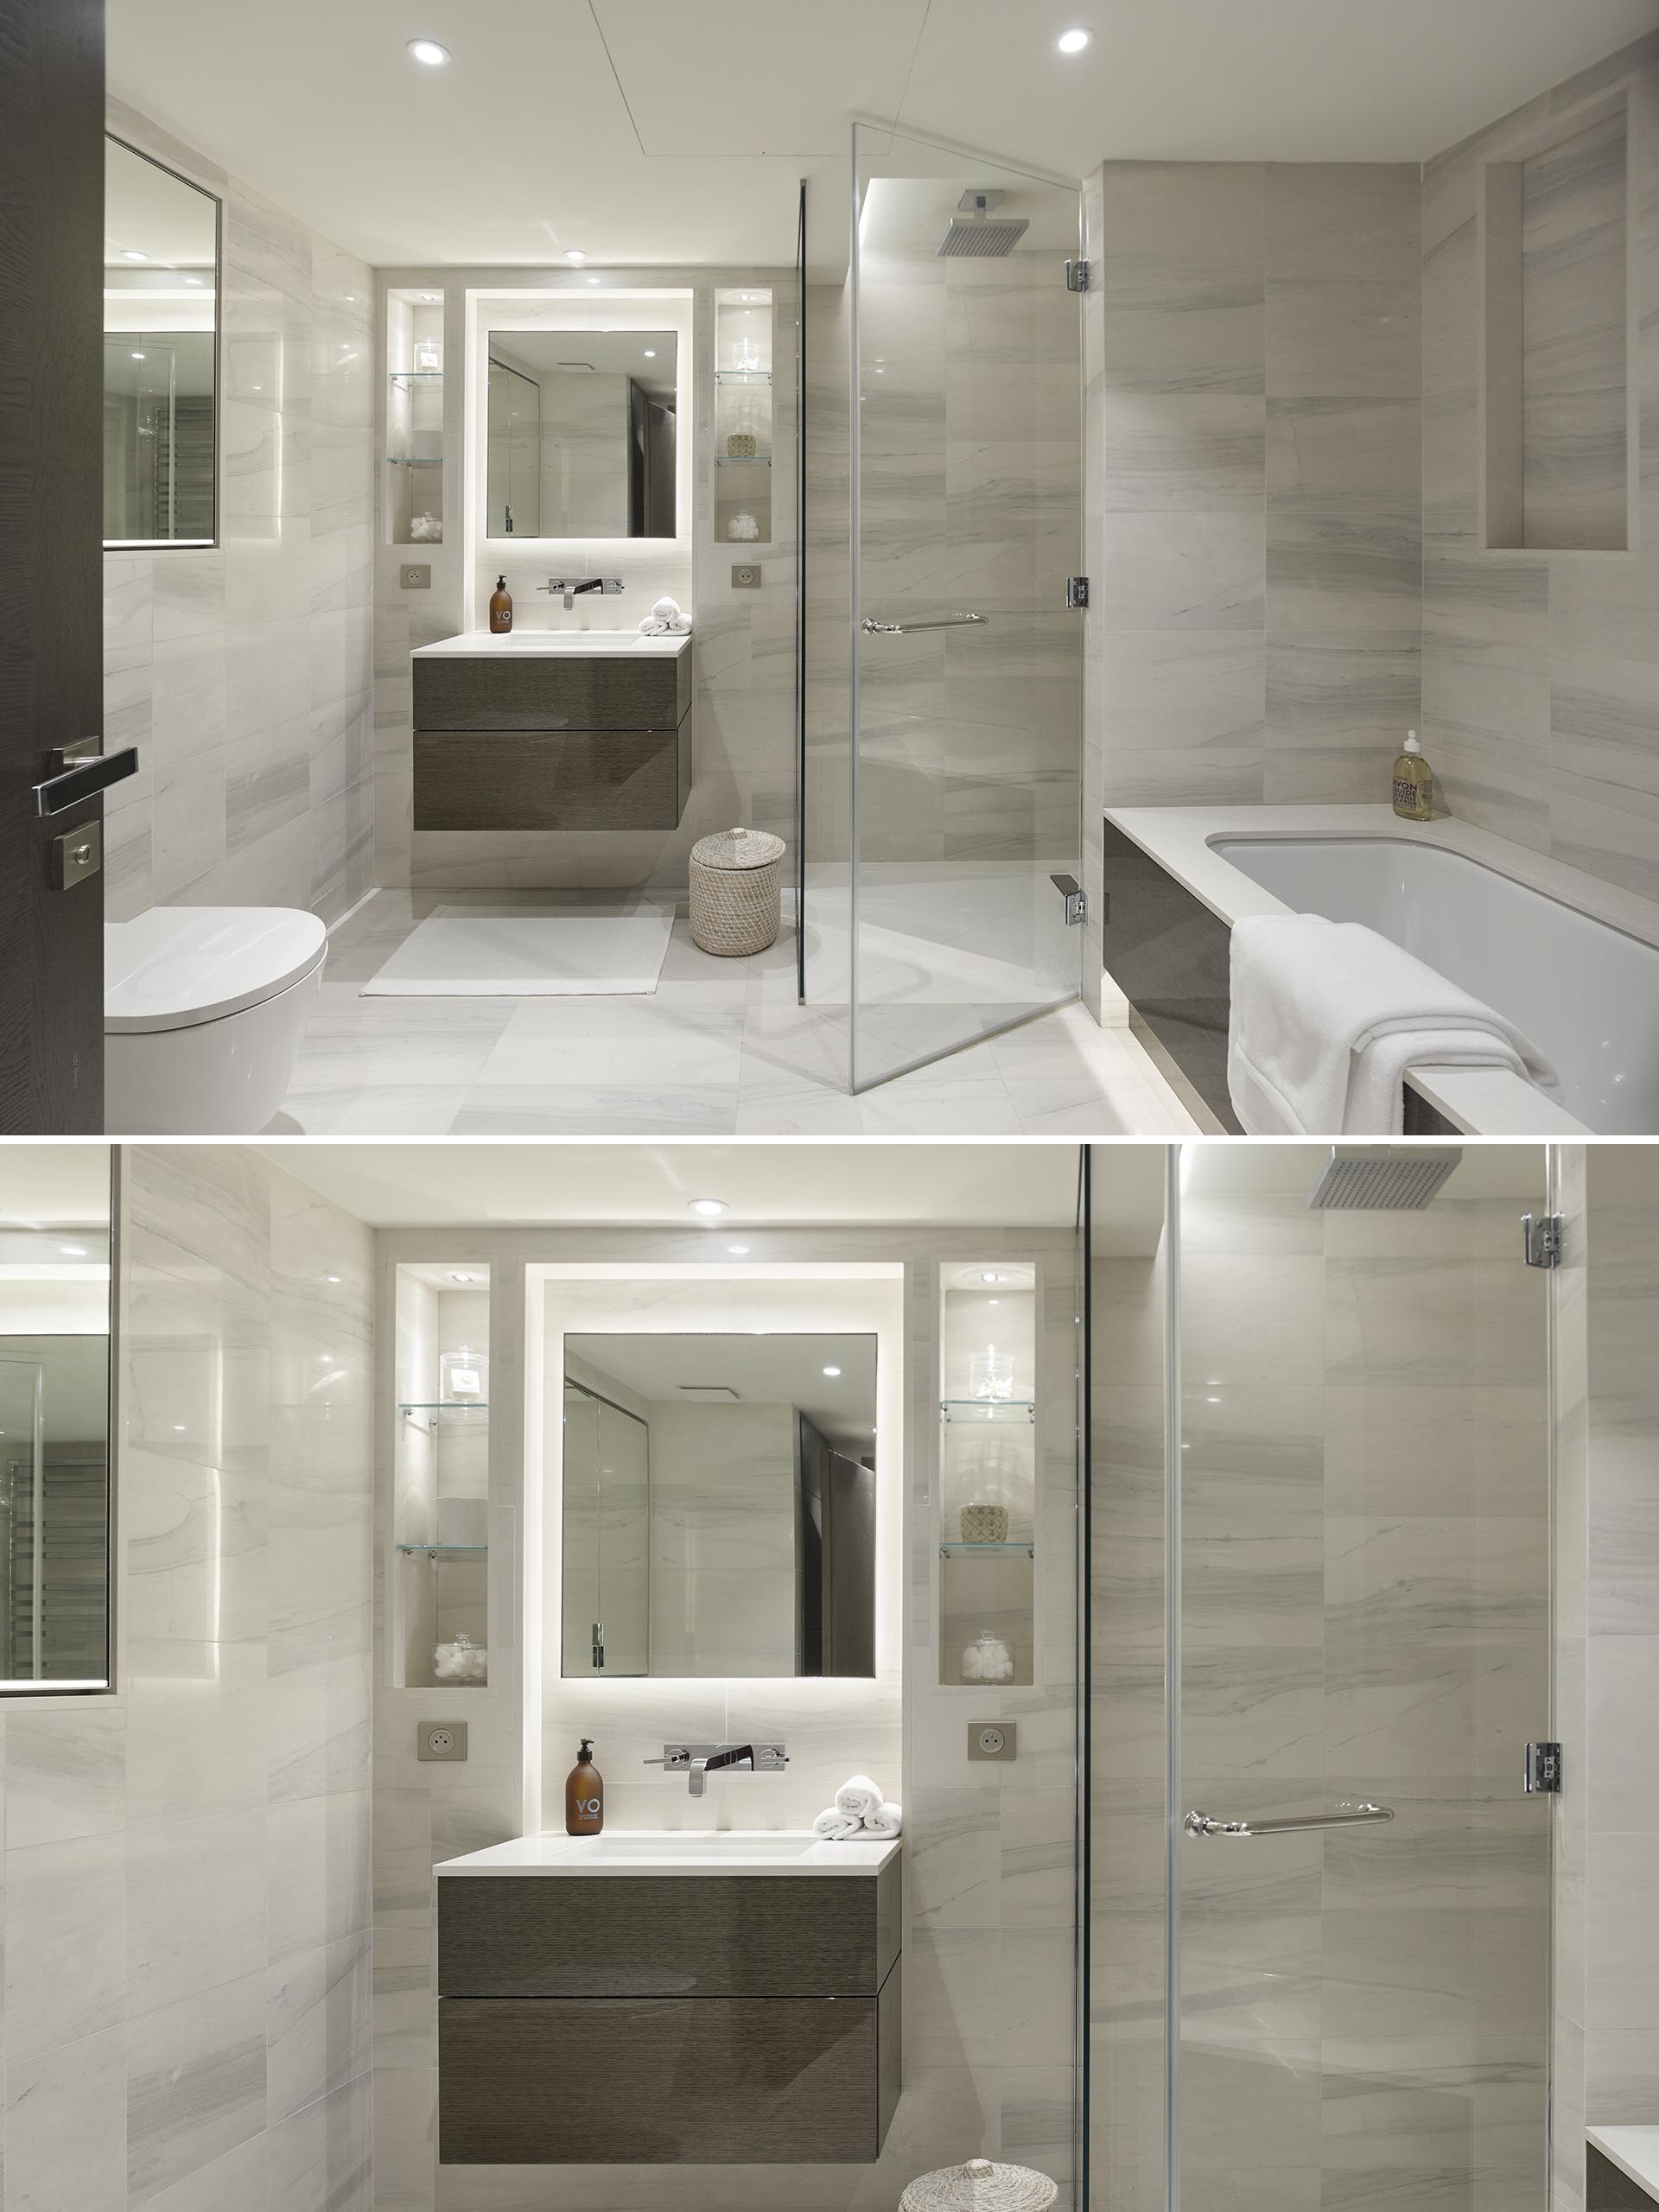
204,1007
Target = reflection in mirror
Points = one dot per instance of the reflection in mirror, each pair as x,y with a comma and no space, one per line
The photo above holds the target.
54,1418
719,1505
583,433
161,293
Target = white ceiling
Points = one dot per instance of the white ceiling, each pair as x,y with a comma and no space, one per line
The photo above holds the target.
472,1184
785,1369
653,132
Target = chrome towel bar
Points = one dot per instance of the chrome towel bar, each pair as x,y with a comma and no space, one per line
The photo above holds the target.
904,629
1344,1817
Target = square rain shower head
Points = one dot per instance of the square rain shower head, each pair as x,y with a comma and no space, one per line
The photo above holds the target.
1382,1182
978,233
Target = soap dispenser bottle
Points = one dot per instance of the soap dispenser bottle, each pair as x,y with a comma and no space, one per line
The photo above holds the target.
500,609
1413,783
584,1794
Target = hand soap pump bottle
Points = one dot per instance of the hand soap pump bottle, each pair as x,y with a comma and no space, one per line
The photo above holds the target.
584,1794
1413,783
500,609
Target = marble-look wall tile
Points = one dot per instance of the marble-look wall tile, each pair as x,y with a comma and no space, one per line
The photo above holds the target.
255,745
185,1890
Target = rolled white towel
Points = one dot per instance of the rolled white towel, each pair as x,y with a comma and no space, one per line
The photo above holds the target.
857,1798
678,626
665,608
834,1827
652,625
885,1822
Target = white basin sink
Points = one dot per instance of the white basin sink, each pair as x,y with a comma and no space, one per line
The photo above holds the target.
552,645
639,1851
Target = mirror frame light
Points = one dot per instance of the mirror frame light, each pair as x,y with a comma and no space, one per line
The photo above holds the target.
189,544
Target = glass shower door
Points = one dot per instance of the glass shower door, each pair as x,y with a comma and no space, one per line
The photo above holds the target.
1359,1635
967,667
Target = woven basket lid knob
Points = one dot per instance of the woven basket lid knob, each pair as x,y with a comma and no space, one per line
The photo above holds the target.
979,2169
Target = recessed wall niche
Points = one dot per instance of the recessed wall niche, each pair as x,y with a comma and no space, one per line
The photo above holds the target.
987,1473
1556,369
440,1553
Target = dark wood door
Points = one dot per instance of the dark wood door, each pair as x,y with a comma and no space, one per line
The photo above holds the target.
51,535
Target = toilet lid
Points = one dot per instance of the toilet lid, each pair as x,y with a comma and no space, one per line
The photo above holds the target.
174,966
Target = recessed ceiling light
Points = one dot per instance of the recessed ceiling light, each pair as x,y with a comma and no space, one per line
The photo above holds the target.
1074,42
592,279
710,1209
127,254
737,1251
457,1275
196,280
429,50
137,357
431,299
832,1370
576,254
650,353
988,1277
79,1251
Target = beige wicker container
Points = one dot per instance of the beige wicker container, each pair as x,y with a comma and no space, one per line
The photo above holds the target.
984,1524
980,2186
735,899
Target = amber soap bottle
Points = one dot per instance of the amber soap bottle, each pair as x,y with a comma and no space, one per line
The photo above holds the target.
584,1794
500,609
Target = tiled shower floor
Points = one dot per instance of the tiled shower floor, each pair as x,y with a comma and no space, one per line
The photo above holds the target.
721,1049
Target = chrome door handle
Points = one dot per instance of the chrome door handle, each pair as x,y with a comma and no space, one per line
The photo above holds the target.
1344,1817
904,629
82,775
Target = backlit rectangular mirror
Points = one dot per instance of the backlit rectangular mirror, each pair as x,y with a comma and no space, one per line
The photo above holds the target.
719,1505
54,1418
161,354
582,433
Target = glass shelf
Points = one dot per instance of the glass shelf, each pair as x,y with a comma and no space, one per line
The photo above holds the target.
442,1551
443,1406
411,375
1016,1410
742,375
1028,1550
742,461
415,461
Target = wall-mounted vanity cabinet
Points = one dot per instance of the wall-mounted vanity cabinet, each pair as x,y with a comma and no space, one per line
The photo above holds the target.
651,2000
552,730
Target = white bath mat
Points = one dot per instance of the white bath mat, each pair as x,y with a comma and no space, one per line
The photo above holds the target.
528,956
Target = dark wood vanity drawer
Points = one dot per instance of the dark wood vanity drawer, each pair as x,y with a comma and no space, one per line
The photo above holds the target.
751,1935
552,779
643,2082
563,691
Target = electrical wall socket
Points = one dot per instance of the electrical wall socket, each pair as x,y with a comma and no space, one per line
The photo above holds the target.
746,576
416,576
441,1739
992,1740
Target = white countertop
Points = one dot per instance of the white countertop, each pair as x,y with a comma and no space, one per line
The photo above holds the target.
1486,1101
639,1851
1634,2151
556,644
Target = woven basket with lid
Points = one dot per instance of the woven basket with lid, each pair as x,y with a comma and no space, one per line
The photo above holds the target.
735,898
980,2186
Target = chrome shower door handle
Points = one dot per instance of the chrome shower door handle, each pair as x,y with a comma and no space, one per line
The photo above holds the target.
904,629
1345,1816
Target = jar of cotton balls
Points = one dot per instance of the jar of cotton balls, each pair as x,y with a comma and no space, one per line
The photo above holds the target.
742,527
987,1659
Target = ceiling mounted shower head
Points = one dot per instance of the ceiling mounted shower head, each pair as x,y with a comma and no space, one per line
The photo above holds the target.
980,234
1403,1181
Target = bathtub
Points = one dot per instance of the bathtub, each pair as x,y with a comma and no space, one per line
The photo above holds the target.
1572,962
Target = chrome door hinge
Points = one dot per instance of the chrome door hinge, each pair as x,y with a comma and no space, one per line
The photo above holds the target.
1076,898
1543,1776
1076,591
1077,276
1541,1239
599,1647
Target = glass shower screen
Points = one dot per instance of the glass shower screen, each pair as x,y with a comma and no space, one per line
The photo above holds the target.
967,661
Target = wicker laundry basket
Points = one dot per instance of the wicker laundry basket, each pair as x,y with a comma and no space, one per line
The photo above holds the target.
736,899
980,2186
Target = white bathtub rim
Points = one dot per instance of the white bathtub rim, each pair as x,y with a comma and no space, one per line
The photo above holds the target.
1481,1102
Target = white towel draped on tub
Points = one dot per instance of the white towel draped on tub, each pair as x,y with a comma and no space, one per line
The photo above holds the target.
1326,1017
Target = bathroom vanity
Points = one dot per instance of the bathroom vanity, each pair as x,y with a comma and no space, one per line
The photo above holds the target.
651,1998
571,729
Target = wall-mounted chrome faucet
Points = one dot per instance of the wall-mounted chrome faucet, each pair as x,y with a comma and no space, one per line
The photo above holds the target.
696,1761
576,587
